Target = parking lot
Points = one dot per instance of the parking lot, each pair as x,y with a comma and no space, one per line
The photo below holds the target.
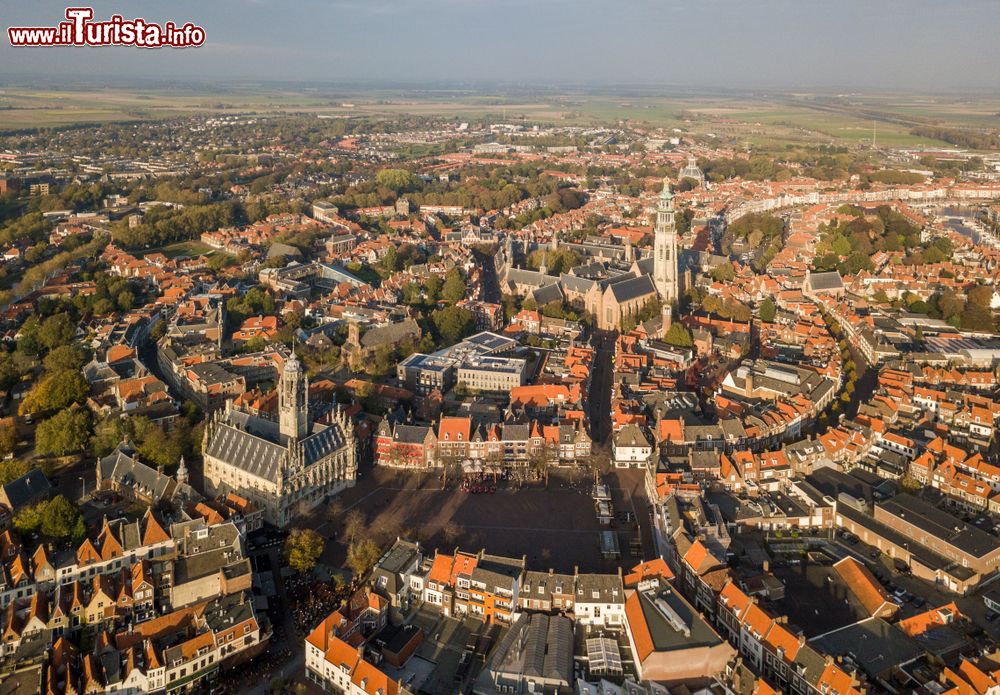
554,527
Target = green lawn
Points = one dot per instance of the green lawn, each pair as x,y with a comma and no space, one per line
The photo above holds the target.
184,248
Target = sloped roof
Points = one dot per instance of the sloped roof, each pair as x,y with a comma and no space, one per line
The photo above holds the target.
30,487
863,584
632,288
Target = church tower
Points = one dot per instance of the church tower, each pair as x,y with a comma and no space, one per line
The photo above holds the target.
293,405
665,248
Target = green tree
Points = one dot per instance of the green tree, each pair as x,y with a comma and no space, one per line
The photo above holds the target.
362,556
56,330
29,519
65,357
724,273
12,470
678,335
398,180
107,435
412,294
8,436
767,310
66,431
454,287
60,518
453,324
976,318
950,305
433,289
981,296
303,548
55,390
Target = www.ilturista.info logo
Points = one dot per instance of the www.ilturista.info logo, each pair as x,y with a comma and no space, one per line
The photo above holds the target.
79,30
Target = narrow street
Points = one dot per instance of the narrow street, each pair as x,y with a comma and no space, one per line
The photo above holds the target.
865,385
599,398
489,282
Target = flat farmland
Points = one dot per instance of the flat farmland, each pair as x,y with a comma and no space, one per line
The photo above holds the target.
751,119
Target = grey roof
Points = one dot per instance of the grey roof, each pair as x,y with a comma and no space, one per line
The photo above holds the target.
941,525
673,623
390,334
645,265
95,372
825,281
411,434
520,276
125,470
609,588
193,567
497,572
255,445
595,270
541,585
212,373
279,249
548,648
631,435
27,489
514,432
576,284
632,288
603,250
873,644
547,293
255,455
810,664
705,459
401,556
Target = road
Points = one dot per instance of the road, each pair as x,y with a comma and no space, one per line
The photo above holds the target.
864,387
488,278
599,398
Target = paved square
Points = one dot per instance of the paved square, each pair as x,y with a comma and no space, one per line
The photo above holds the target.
554,528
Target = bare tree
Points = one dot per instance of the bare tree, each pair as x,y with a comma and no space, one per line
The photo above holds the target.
450,532
354,525
385,529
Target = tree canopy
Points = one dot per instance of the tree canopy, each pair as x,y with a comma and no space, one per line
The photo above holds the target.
65,432
678,335
304,547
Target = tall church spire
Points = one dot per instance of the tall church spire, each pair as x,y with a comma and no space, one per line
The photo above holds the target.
293,400
665,248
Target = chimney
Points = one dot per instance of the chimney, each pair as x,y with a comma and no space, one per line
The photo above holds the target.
666,318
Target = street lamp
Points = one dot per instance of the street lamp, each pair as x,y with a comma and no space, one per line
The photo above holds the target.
83,490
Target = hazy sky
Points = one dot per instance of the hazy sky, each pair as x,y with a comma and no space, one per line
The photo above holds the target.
931,45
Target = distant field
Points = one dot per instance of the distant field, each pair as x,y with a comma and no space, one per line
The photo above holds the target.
751,120
184,248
